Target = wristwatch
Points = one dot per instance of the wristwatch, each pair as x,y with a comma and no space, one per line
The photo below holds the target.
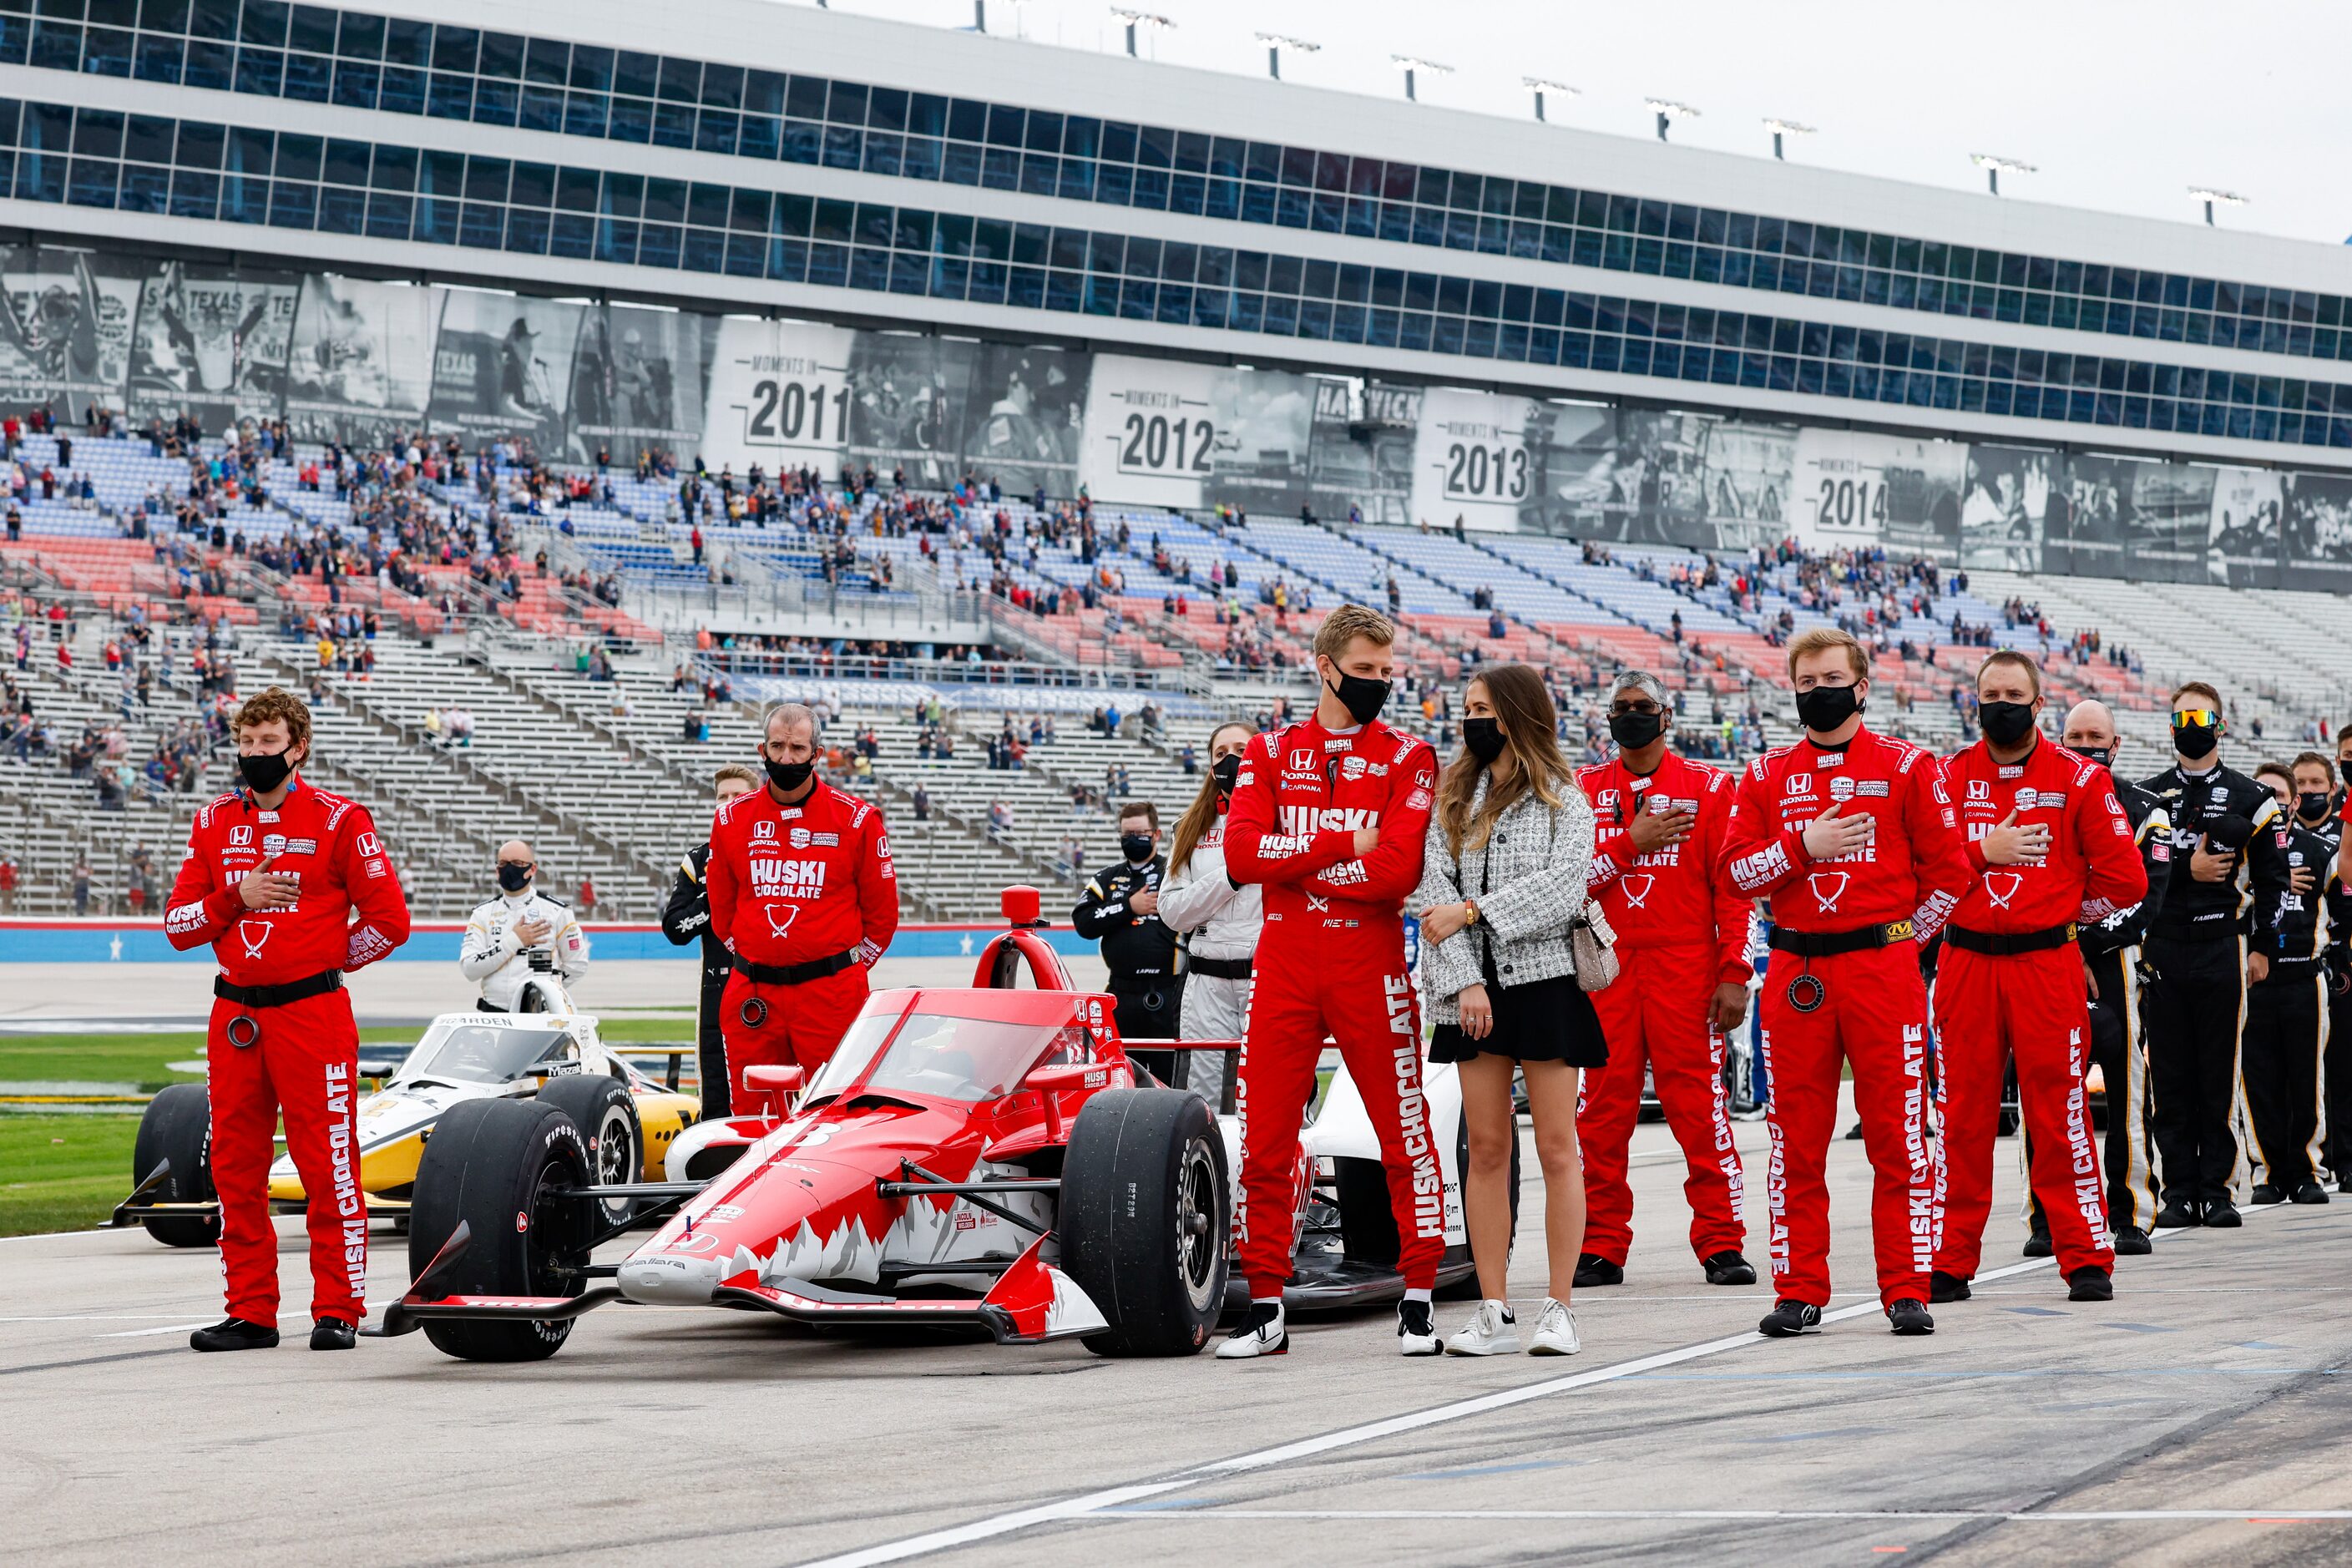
1469,911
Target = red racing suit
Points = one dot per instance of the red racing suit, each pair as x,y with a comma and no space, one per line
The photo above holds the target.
305,1062
1331,962
1870,1004
1991,1007
805,898
1680,932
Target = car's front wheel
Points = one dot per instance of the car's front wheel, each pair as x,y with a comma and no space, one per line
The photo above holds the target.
1146,1209
178,1126
602,1109
496,1166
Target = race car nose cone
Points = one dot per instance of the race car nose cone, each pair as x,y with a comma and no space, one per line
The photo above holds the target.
667,1278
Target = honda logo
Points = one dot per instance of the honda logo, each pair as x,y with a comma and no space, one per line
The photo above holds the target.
1302,761
238,837
763,828
1979,790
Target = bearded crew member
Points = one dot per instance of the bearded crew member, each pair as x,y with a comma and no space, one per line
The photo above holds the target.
1853,838
803,896
2215,933
293,889
1328,816
687,918
2053,850
1681,945
2286,1014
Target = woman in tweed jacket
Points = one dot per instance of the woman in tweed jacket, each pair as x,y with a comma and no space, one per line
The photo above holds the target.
1502,878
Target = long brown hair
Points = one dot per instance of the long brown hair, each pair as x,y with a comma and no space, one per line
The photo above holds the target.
1530,725
1201,814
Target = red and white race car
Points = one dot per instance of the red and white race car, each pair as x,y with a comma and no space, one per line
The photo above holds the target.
989,1158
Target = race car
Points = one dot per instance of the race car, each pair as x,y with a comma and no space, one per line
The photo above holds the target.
987,1158
554,1060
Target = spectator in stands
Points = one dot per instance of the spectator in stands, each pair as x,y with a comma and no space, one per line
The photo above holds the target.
1000,820
82,885
586,903
7,884
922,804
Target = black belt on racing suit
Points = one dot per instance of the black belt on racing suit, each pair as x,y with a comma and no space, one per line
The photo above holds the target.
2016,943
796,974
1219,968
1829,944
317,985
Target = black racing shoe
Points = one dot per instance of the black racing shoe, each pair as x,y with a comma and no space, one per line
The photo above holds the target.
1262,1333
1853,1133
2223,1216
1729,1268
2038,1245
1943,1287
2179,1214
1417,1329
334,1334
1592,1269
1908,1315
233,1335
2264,1193
2309,1193
1787,1320
2090,1283
2132,1242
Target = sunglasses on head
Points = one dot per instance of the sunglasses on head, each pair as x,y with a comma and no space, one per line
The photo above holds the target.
2195,716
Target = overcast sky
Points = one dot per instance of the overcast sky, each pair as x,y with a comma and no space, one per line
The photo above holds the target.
2121,106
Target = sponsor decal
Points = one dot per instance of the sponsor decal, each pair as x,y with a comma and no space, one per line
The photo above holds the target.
240,835
368,846
2001,886
1829,887
1424,779
1829,759
2013,770
1417,801
1351,767
1377,770
829,840
779,928
1637,890
1871,786
375,867
772,878
763,828
1302,761
799,837
1979,789
301,846
1606,801
1841,787
1798,784
273,843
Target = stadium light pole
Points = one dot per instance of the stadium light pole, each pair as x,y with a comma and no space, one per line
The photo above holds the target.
2212,197
1411,63
1135,20
1780,128
1668,110
1540,85
1275,43
1994,167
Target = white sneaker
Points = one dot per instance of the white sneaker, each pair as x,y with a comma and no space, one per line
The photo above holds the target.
1417,1329
1489,1332
1263,1334
1555,1332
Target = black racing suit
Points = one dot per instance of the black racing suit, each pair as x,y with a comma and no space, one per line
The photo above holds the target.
2195,1006
2338,965
2111,955
1140,949
2286,1025
686,917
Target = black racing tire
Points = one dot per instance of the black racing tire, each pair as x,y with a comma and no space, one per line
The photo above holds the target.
178,1126
606,1114
1367,1229
489,1165
1467,1287
1146,1216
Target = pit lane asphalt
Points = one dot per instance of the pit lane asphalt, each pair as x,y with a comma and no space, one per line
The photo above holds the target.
2198,1417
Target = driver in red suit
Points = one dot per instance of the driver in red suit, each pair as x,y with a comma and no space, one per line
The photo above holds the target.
1853,838
1328,816
292,889
803,894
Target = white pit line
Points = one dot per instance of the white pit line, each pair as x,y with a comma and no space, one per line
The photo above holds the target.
1110,1501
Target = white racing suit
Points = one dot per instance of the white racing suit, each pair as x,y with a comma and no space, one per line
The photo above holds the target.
494,958
1219,923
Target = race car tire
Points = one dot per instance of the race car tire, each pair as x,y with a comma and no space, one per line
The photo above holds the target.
491,1164
178,1126
606,1114
1146,1214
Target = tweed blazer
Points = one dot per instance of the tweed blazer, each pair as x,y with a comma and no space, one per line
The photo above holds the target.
1528,883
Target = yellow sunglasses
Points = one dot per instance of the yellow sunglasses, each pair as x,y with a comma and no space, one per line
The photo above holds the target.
2197,716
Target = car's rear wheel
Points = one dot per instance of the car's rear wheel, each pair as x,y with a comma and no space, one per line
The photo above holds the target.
494,1167
178,1126
1146,1209
602,1109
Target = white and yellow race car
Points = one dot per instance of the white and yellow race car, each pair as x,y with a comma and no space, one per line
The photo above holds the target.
556,1058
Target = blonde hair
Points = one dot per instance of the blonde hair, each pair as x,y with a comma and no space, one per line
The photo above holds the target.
736,773
2011,656
1349,621
1807,643
1530,725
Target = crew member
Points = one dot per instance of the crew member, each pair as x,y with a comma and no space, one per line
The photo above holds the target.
2214,933
1329,817
523,948
2110,969
1218,918
292,889
1853,837
2286,1012
685,918
1682,984
2339,985
1120,908
803,895
2052,849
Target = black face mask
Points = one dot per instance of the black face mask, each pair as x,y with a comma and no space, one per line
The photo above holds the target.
2104,757
2343,766
1635,730
1136,846
789,777
1225,770
2312,805
1824,707
1484,737
265,772
1363,697
2196,742
514,878
2006,724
